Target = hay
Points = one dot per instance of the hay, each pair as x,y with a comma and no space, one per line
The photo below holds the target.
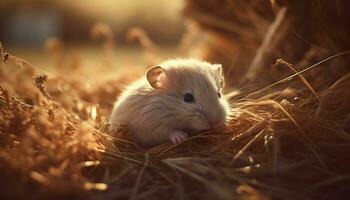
288,140
268,30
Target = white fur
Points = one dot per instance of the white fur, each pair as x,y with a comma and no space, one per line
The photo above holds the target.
152,114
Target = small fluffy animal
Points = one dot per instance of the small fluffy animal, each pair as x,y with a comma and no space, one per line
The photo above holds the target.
176,99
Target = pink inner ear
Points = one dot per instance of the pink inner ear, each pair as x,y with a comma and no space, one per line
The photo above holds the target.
161,80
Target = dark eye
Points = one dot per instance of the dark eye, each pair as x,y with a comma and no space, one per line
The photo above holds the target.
188,98
219,94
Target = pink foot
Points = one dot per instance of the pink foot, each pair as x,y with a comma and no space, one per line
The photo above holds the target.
177,137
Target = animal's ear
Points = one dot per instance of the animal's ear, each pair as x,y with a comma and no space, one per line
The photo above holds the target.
156,77
219,75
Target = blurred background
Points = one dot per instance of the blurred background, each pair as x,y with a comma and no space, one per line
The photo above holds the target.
29,27
31,22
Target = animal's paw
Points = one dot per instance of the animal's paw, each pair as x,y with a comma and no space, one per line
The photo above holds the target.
177,137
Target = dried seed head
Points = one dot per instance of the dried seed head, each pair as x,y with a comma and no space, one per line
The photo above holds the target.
39,81
6,57
100,30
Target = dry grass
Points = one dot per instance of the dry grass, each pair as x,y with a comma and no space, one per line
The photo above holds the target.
288,140
280,144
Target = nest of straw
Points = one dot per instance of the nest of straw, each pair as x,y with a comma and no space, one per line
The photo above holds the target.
287,140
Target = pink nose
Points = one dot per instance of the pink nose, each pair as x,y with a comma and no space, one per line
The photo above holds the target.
212,122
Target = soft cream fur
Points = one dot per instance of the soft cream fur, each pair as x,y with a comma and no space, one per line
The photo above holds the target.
152,114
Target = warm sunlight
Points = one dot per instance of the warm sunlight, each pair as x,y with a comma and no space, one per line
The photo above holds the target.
180,99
